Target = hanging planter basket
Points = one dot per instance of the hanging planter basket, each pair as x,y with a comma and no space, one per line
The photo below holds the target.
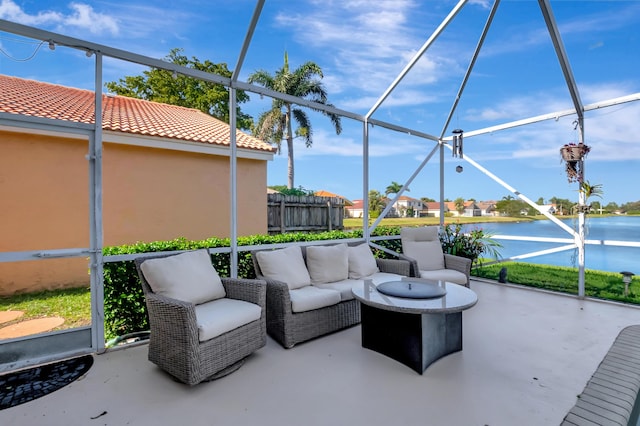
573,152
573,155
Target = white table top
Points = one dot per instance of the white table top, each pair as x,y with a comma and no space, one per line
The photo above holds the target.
457,299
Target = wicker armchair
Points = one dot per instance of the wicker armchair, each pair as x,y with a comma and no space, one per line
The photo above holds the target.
174,343
422,248
289,328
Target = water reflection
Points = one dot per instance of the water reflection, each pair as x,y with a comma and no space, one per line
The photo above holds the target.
599,257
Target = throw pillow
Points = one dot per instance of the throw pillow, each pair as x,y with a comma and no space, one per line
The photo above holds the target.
328,264
189,277
286,265
361,262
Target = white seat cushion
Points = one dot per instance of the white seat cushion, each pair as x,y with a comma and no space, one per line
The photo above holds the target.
311,297
361,261
383,277
286,265
343,287
328,264
450,275
189,277
220,316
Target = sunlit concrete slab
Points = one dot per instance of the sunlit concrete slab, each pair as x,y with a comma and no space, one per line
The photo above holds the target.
526,356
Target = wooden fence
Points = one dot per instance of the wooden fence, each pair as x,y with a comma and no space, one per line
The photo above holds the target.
290,213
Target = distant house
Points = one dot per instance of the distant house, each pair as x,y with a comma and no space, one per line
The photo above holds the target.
549,208
432,208
165,175
405,204
487,208
356,209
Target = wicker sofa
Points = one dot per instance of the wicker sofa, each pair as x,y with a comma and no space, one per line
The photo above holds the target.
320,303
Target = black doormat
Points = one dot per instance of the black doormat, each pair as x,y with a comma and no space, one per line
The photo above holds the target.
26,385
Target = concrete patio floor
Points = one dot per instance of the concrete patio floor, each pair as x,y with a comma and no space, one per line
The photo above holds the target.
527,355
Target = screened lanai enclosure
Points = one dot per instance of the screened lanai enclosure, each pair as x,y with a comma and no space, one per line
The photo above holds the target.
423,120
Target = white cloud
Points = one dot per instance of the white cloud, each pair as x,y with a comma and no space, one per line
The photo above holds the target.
370,43
85,17
330,144
82,16
609,131
12,12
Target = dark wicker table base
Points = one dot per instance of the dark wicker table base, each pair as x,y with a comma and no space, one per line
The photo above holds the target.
415,340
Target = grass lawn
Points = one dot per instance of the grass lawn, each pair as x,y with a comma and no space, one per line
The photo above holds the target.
598,284
74,305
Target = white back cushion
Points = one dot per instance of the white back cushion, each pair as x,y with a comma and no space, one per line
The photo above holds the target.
361,262
428,254
327,264
189,277
286,265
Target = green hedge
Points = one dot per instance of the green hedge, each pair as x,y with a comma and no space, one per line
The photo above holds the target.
124,307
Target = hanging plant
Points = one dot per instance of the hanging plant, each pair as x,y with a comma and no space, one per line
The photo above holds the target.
573,154
589,191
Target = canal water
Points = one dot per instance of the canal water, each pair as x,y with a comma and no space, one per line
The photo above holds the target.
604,258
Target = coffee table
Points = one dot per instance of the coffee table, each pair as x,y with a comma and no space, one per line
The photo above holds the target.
413,331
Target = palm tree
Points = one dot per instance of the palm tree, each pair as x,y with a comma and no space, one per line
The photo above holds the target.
394,188
459,203
376,203
275,125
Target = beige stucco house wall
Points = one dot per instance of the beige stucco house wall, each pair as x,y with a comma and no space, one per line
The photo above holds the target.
154,188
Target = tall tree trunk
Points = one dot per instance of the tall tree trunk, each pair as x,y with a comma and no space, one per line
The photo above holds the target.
289,147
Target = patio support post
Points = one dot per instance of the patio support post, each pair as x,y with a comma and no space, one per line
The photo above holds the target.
441,184
365,181
233,233
581,220
95,216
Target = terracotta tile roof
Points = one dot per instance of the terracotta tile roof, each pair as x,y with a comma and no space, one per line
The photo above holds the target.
323,193
357,205
407,198
120,113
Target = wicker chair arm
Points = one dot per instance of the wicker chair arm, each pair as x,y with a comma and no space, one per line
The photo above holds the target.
458,263
278,296
254,291
394,266
414,271
174,319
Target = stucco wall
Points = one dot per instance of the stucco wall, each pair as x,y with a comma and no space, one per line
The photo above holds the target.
177,194
149,194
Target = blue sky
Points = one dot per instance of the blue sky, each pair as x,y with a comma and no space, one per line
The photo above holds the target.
362,46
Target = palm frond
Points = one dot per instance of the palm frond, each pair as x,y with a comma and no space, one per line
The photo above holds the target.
303,122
